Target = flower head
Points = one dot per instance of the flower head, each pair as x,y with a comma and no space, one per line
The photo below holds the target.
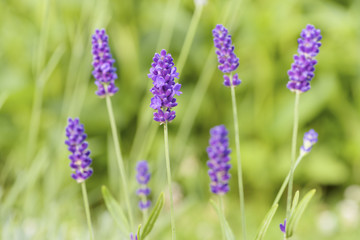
310,138
283,226
103,72
302,70
143,177
133,237
80,160
218,153
163,74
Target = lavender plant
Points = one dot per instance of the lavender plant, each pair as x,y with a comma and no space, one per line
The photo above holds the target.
80,160
228,62
143,177
300,75
104,73
218,152
163,73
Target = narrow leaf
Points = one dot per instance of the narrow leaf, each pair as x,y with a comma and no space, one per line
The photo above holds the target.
266,222
229,235
153,216
116,211
139,237
295,202
295,218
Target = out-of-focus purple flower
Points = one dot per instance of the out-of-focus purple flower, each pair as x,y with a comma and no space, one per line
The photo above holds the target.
235,80
133,237
103,72
302,70
310,138
80,160
219,158
283,226
163,74
143,177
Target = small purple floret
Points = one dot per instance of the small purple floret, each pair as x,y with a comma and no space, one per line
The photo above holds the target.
163,74
218,153
283,227
143,177
103,72
80,160
310,138
302,70
133,237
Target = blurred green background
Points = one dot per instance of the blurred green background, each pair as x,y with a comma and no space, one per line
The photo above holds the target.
45,77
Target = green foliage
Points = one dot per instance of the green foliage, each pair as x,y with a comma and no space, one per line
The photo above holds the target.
297,211
153,216
229,235
116,211
266,222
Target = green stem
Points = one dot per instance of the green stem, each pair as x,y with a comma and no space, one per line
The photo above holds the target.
221,208
286,181
190,36
87,209
119,158
238,157
167,158
293,153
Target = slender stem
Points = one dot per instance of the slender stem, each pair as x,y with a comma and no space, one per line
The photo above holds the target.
189,36
238,157
286,181
119,158
167,158
221,208
293,153
87,209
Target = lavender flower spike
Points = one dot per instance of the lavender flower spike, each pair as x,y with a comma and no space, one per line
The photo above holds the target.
302,70
283,226
133,237
143,177
80,160
218,152
163,73
310,138
226,57
104,72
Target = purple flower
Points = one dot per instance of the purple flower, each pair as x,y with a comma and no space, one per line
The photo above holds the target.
133,237
104,72
302,70
218,153
143,177
80,160
283,226
310,138
163,74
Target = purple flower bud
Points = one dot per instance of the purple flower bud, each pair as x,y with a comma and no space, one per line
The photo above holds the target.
143,177
163,74
103,72
133,237
219,166
310,138
283,226
80,160
302,70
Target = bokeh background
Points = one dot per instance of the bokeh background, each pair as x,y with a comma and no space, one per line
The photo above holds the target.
45,77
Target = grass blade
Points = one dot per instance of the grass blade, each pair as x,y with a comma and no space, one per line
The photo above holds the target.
153,216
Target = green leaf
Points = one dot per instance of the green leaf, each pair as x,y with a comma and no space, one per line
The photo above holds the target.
229,235
295,217
266,222
153,216
139,237
295,202
116,211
